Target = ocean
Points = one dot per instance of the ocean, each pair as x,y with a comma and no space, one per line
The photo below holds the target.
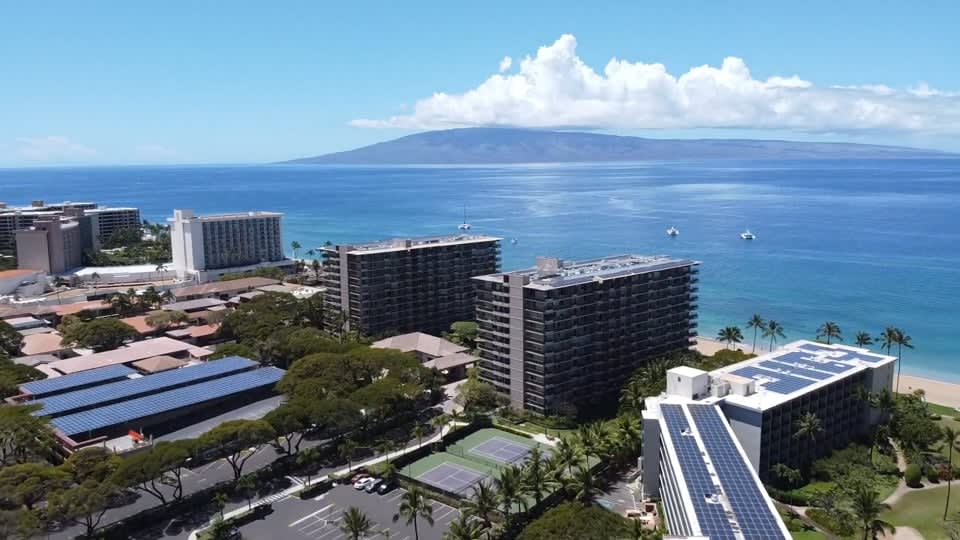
864,243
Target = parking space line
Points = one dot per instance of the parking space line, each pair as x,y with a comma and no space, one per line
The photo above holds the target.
445,514
301,520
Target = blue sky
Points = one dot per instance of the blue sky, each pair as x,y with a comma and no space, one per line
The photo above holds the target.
213,82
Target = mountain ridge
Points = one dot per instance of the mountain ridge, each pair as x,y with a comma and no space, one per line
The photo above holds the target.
516,145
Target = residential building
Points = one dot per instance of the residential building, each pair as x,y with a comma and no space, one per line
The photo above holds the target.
206,247
108,221
407,284
52,244
104,221
424,346
222,289
564,335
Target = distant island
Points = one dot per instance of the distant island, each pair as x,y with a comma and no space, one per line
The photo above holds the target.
511,145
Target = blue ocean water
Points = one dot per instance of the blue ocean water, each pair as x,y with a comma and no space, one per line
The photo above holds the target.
863,243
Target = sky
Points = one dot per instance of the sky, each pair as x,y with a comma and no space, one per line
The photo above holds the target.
243,82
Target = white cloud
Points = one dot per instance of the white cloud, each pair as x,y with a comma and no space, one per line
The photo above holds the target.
52,148
556,89
505,63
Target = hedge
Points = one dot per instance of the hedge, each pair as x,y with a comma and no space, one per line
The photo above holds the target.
913,475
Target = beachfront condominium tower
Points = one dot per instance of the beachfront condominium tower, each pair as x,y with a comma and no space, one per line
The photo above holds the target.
567,335
105,221
406,284
206,247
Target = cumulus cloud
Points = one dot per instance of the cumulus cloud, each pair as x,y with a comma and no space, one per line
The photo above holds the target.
556,89
52,148
505,63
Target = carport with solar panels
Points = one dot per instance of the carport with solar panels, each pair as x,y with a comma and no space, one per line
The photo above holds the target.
81,412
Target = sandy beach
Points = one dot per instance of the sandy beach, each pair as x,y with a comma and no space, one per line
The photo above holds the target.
939,392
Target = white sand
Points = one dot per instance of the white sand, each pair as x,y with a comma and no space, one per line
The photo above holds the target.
939,392
709,346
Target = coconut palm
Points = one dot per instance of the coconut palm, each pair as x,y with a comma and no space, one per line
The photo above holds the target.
808,426
628,435
509,488
464,529
346,449
355,524
568,454
831,331
482,504
536,480
95,278
950,438
867,509
901,339
414,505
887,339
438,422
585,485
295,246
418,433
774,331
730,335
160,269
632,396
863,339
122,303
757,323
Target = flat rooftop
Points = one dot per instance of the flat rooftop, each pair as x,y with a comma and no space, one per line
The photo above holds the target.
565,273
232,216
796,369
721,494
404,244
224,287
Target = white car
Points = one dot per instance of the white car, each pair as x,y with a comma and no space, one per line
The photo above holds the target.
364,482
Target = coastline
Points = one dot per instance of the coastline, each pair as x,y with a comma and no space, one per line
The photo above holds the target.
938,392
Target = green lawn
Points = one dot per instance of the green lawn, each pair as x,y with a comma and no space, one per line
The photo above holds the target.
808,535
923,510
942,410
948,421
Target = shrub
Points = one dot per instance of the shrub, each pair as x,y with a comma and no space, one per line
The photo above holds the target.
840,527
912,475
933,476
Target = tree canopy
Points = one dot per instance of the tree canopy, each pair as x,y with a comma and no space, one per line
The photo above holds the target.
10,340
575,521
98,334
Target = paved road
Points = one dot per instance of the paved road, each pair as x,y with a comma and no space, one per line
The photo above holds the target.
320,518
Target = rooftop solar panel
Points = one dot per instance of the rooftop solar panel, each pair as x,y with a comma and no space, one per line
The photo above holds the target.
76,380
794,370
753,513
780,383
130,388
711,516
144,407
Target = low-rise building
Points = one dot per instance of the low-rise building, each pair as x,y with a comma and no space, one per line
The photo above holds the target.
222,289
138,350
23,282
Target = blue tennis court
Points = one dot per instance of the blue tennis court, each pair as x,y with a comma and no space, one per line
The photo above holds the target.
451,477
501,450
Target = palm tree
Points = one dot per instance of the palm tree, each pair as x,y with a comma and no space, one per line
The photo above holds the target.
950,437
347,448
167,296
773,330
863,339
419,432
464,529
295,246
438,422
730,335
355,524
315,265
829,330
481,505
95,278
568,454
632,396
536,481
310,253
887,339
122,303
160,269
509,488
414,505
809,426
585,484
867,509
757,323
384,447
902,340
628,434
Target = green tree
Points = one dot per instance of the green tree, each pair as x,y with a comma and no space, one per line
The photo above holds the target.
867,509
950,439
774,331
585,484
290,422
464,529
10,339
95,463
808,426
536,479
757,323
887,339
464,333
346,450
26,484
481,504
418,433
355,524
830,331
83,504
731,335
237,441
575,521
247,486
902,340
234,349
142,471
863,339
788,476
98,334
510,490
414,505
295,246
23,436
166,319
438,422
568,454
220,500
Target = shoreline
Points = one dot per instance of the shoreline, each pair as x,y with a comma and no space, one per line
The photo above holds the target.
937,391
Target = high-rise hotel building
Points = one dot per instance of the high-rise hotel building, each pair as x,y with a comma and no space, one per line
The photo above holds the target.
407,284
569,333
206,247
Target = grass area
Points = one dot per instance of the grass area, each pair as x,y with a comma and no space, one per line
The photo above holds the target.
808,535
535,429
948,421
923,510
942,410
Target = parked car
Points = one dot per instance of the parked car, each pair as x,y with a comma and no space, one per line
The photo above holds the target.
372,486
363,483
386,486
357,477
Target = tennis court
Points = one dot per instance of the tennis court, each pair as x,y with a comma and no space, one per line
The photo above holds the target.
502,450
451,477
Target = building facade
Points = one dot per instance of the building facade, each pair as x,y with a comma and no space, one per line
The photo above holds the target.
407,285
104,221
206,247
53,245
108,221
562,335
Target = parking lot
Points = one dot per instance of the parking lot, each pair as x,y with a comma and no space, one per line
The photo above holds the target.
319,518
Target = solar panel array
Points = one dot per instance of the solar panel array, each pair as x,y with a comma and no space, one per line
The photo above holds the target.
147,406
56,385
130,388
748,501
711,516
792,369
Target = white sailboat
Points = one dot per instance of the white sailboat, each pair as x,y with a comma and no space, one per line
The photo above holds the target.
673,231
747,235
465,226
